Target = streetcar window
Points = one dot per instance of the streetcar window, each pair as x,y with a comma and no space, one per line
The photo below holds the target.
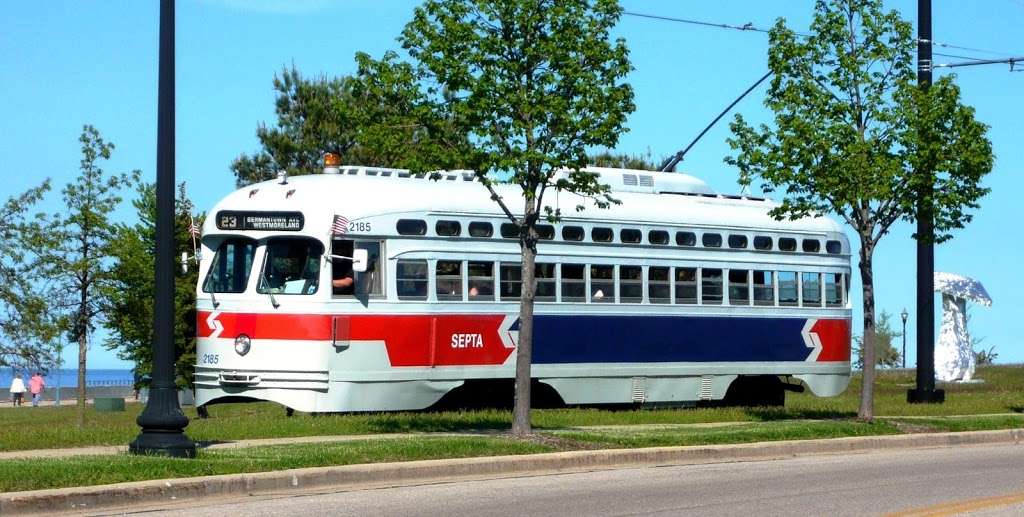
510,282
658,290
711,286
448,228
657,237
812,245
631,284
764,290
833,289
686,239
602,283
545,277
509,231
545,232
762,242
572,233
232,263
574,286
686,285
291,266
342,276
346,282
788,295
630,236
787,244
411,227
411,279
370,281
480,229
739,287
811,289
601,234
737,241
711,240
449,279
481,281
833,247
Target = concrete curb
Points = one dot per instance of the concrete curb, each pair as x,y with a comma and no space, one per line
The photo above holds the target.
416,472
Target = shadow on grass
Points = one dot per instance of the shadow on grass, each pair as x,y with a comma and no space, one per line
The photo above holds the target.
770,414
1017,409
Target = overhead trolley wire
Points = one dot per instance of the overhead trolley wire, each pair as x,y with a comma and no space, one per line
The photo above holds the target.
750,27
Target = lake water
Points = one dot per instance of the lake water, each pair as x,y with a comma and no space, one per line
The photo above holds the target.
69,378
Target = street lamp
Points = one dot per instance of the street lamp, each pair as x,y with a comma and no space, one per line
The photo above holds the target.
162,421
904,316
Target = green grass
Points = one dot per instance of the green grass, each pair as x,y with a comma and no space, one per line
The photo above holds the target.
50,427
757,432
34,474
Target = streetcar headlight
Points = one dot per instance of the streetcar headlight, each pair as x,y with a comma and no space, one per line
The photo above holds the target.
242,344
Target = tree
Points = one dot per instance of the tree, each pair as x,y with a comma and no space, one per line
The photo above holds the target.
78,245
608,158
532,84
855,137
886,354
26,326
369,120
129,294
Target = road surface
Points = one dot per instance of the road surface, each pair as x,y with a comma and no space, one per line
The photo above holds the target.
978,480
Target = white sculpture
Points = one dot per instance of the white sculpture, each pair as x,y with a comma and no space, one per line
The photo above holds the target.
954,357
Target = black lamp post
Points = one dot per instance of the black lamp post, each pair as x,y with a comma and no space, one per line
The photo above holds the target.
903,316
162,422
925,391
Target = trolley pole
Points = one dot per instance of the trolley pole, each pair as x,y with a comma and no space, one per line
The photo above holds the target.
925,391
162,422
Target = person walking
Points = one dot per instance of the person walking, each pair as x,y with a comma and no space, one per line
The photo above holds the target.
36,385
17,390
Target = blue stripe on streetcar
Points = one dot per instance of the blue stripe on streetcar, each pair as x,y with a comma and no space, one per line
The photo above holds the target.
652,339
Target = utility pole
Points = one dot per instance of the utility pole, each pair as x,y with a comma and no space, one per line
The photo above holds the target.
925,391
162,422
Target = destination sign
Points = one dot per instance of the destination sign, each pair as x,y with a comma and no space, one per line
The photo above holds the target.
265,221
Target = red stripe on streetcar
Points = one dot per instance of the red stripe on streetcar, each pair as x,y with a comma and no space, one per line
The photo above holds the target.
835,339
411,340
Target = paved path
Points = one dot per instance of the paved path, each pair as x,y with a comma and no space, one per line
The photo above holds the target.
981,480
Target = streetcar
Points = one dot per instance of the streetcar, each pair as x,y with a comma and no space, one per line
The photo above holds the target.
375,289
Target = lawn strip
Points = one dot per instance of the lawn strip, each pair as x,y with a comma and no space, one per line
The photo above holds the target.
54,427
760,432
35,474
960,423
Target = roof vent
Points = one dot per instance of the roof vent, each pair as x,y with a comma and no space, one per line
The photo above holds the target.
629,180
646,181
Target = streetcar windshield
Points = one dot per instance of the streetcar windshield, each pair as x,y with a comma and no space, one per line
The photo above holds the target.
231,265
291,266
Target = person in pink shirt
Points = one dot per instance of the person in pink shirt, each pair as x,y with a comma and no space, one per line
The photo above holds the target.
35,386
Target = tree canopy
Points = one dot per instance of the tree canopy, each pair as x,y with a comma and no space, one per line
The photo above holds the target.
28,329
372,119
854,136
526,87
130,293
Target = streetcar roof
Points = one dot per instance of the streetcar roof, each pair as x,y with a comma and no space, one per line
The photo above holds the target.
664,199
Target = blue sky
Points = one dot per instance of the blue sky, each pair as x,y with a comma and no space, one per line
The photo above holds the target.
64,64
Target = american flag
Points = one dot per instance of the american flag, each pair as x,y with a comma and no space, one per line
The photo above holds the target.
193,228
340,226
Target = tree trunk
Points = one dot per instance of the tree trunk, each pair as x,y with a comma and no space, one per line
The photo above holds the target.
867,391
83,346
524,350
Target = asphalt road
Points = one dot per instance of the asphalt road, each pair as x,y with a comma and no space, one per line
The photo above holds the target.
979,480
